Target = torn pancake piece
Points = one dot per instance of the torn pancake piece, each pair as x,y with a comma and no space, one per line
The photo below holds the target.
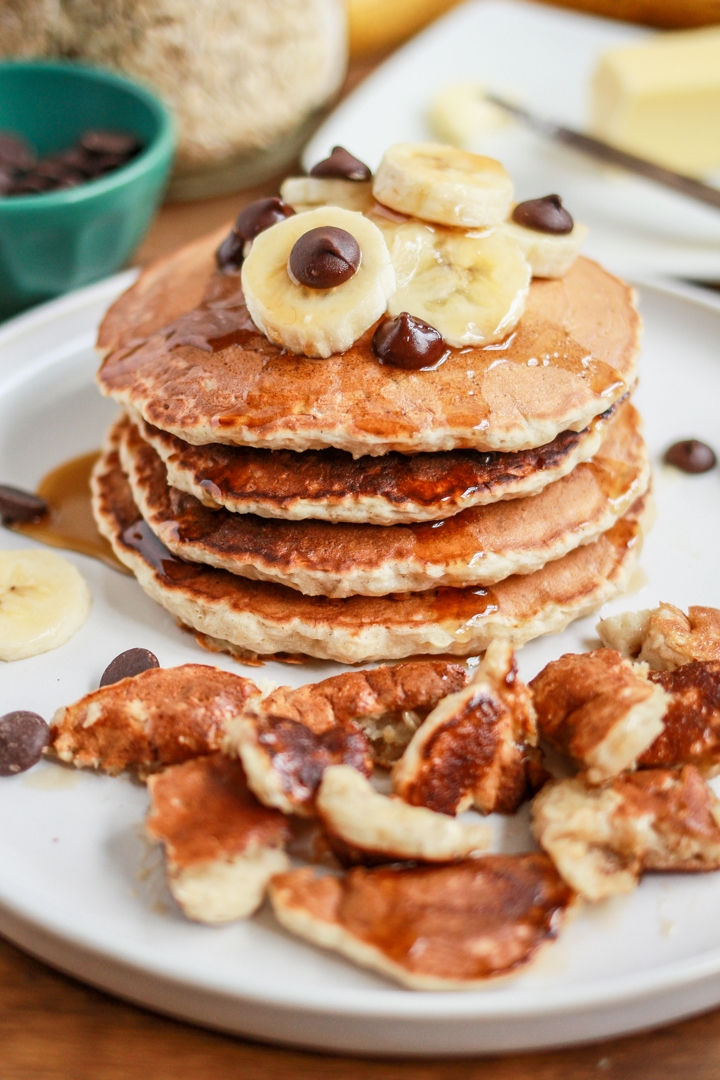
664,637
288,739
364,826
599,709
161,717
472,749
221,845
603,839
430,928
691,735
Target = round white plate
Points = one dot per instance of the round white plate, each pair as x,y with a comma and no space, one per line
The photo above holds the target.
80,888
543,58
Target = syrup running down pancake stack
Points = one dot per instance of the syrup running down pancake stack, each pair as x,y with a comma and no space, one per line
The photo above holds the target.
382,417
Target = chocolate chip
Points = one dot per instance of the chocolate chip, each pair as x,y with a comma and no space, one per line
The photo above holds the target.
29,184
341,165
128,663
691,456
19,505
229,255
23,737
260,215
546,215
7,179
324,257
110,142
408,342
15,152
57,171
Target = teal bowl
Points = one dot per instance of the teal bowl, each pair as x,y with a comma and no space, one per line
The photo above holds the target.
59,240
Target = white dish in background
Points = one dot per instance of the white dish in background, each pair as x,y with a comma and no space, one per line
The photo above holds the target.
544,58
79,888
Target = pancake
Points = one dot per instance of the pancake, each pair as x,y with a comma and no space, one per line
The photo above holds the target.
210,376
331,485
265,619
480,546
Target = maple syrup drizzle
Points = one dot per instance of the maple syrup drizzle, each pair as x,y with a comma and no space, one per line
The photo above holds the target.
69,522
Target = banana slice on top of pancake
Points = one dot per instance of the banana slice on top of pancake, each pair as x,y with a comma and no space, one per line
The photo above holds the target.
444,185
307,192
547,235
471,286
317,281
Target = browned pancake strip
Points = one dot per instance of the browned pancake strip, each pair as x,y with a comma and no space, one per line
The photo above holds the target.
480,546
603,839
221,846
691,732
430,928
268,619
288,739
471,750
664,637
599,710
332,485
160,717
210,377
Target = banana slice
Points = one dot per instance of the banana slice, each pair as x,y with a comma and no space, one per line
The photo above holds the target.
43,601
471,286
317,322
550,254
443,184
305,192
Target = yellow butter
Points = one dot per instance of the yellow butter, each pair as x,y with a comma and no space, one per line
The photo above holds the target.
661,99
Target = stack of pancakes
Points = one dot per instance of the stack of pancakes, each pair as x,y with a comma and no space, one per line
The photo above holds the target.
345,509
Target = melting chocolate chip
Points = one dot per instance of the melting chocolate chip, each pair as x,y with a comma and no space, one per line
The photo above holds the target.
229,255
546,215
19,505
260,215
15,152
23,737
341,165
109,142
324,257
128,663
691,456
408,342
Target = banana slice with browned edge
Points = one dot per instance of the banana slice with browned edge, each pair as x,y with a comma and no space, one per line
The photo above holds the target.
44,600
443,184
320,319
471,286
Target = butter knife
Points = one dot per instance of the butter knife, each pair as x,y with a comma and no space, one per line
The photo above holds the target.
603,151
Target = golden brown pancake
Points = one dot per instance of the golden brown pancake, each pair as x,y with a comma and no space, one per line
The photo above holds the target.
331,485
161,717
471,750
603,839
599,709
480,546
210,376
691,732
431,928
266,619
664,637
288,739
221,846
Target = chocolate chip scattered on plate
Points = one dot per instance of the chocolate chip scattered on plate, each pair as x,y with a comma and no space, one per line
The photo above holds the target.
23,737
691,456
127,664
19,505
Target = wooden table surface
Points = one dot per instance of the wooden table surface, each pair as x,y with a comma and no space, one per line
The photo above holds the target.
54,1028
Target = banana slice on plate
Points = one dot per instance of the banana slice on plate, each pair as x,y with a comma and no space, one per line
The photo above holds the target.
471,287
323,319
305,192
443,184
43,601
550,254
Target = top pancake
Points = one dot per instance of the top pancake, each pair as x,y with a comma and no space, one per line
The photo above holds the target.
210,376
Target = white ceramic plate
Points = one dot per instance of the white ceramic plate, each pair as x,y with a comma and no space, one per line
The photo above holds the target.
544,58
79,887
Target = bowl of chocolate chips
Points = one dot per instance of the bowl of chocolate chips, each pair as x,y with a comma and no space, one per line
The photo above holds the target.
85,157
